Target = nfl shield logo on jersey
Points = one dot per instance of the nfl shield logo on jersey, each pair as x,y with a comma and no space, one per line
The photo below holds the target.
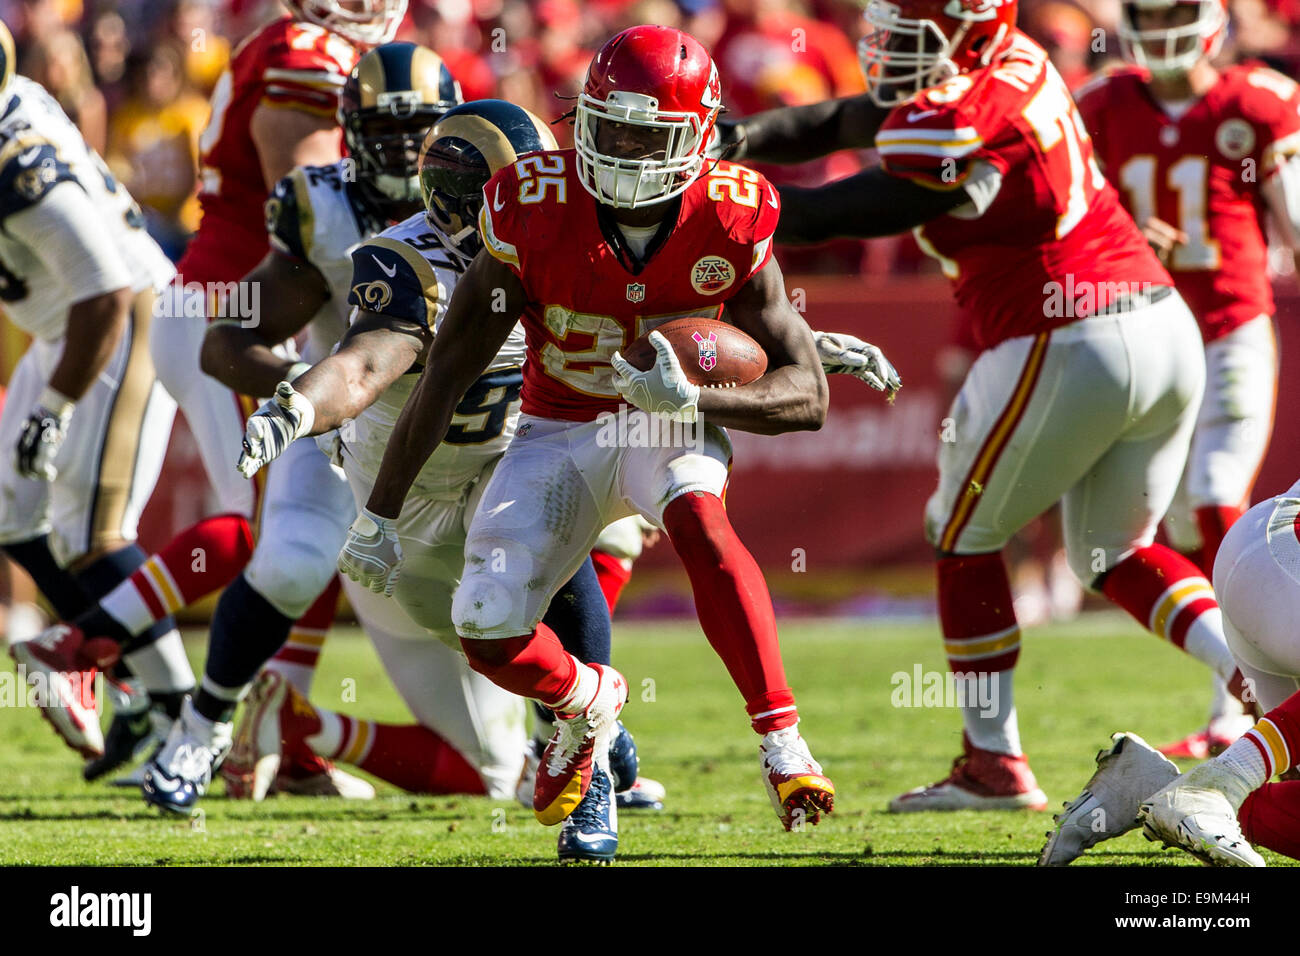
708,350
636,291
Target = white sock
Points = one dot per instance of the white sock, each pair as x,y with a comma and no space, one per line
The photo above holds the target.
125,606
162,666
298,675
329,739
993,727
1205,642
583,693
24,622
1243,760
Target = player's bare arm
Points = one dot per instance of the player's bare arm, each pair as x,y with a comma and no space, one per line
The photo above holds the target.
240,355
468,339
286,138
95,326
796,134
866,205
376,351
793,395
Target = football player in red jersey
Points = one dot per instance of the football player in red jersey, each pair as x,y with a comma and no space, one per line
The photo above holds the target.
1091,372
273,109
591,248
1198,156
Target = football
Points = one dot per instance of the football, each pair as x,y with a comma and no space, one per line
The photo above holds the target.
713,354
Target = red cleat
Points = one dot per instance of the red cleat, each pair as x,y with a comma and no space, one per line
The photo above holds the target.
60,665
980,780
565,771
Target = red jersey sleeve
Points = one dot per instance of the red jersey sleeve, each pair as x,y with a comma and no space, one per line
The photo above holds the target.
933,140
748,207
305,66
1271,103
502,220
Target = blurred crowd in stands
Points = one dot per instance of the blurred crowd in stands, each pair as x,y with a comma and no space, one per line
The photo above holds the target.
136,75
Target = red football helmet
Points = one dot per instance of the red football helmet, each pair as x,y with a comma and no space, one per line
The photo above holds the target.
917,44
1180,47
364,22
644,116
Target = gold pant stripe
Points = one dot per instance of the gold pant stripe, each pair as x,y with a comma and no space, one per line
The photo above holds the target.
117,457
997,440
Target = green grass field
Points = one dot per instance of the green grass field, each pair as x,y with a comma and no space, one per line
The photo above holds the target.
1076,684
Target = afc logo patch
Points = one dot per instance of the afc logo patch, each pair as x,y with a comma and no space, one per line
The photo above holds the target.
711,275
636,292
708,349
1234,138
374,295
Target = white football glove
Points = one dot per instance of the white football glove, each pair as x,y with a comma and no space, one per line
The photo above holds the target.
843,354
42,436
372,555
663,388
273,427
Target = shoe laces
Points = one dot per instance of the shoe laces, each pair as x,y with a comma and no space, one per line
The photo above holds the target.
593,812
191,756
788,754
569,737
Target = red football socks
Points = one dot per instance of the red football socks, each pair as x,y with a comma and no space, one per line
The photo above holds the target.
734,607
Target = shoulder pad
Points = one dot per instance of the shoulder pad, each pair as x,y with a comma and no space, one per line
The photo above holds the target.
29,168
391,278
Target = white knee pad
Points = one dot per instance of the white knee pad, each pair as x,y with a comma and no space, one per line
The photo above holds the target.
304,524
491,600
290,573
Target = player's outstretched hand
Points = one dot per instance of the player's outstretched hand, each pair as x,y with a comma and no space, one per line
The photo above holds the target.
272,427
662,388
372,555
843,354
42,437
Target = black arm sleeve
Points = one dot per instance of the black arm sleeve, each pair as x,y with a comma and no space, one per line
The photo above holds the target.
796,134
865,206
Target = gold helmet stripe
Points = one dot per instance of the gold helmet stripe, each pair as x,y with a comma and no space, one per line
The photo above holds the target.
7,51
482,135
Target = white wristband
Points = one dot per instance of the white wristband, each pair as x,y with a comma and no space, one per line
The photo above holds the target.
55,401
296,369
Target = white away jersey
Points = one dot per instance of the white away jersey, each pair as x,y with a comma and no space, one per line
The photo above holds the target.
56,195
405,272
318,215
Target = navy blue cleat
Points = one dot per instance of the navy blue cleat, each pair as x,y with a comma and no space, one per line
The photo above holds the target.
180,773
623,763
632,792
590,833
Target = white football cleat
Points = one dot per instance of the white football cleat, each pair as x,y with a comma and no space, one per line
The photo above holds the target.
1197,812
180,773
799,792
1129,772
